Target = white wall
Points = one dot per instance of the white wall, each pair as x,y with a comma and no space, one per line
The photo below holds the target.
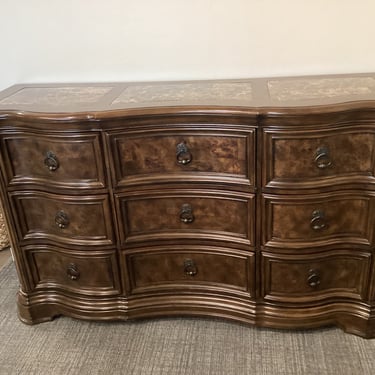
109,40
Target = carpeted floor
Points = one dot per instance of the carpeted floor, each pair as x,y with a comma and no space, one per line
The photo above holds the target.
170,346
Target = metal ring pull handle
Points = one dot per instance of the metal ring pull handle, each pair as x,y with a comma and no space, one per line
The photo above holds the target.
73,272
190,269
183,154
322,158
62,219
51,161
318,221
186,214
313,278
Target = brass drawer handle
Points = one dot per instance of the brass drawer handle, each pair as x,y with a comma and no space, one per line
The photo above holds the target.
322,158
51,161
62,219
190,269
318,220
183,154
73,271
186,214
313,278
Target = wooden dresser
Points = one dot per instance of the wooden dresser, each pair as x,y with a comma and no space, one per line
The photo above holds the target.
251,200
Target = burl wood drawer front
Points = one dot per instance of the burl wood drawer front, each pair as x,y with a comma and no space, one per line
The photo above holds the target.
175,270
96,273
336,274
66,161
310,158
224,155
315,220
194,215
66,219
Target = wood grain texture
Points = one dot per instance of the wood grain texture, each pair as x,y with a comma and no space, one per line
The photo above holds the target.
223,154
308,158
210,153
155,271
89,220
289,221
79,161
49,268
220,216
339,274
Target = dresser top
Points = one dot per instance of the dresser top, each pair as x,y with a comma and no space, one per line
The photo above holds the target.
249,93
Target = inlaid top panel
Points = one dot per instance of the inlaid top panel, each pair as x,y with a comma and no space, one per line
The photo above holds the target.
56,96
194,92
298,89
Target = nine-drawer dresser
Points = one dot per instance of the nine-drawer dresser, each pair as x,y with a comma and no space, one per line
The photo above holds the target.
251,200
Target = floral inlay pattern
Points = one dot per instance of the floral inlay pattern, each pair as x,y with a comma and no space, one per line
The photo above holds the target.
172,92
317,88
56,96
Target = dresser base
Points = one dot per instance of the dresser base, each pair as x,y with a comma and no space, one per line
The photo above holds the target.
354,318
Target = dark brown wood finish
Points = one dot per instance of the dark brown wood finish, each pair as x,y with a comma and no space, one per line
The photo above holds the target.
171,270
306,158
67,161
63,219
315,220
310,278
57,268
185,214
251,200
175,154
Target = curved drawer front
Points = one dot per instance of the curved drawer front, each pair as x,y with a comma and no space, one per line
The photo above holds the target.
201,215
94,274
339,274
305,158
225,155
65,219
315,220
54,160
172,270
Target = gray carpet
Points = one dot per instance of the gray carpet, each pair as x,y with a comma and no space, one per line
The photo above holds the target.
170,346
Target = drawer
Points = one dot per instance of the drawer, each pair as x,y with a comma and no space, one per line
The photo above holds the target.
65,161
307,159
209,269
316,220
197,214
308,278
222,155
65,219
94,274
